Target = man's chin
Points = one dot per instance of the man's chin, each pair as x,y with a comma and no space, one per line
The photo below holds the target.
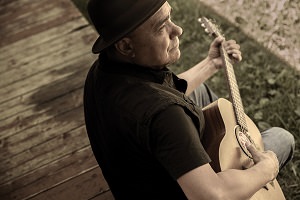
175,56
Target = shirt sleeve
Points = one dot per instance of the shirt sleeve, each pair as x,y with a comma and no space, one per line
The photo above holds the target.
176,143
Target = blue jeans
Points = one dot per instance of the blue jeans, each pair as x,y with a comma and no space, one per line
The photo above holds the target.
276,139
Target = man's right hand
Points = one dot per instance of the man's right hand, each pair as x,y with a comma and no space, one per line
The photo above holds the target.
267,158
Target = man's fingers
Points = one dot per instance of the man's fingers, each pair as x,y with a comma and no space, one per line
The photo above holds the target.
233,50
250,147
217,42
254,152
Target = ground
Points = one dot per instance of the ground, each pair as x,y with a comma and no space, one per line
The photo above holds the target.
273,23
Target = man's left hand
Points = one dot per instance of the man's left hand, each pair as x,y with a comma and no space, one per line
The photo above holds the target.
230,46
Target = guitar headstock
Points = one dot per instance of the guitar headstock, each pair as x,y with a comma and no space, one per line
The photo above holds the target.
209,27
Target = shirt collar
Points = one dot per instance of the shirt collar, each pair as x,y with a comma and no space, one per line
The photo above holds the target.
153,75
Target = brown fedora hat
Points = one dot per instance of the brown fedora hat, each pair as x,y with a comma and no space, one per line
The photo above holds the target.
114,19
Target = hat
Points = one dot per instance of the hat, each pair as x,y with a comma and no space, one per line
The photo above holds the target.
114,19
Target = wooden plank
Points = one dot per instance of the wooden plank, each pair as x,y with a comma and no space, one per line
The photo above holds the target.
60,82
49,175
24,118
32,144
13,3
20,148
12,6
43,153
54,77
85,186
35,59
9,53
3,4
18,18
39,103
41,100
18,9
40,20
103,196
45,42
43,78
45,53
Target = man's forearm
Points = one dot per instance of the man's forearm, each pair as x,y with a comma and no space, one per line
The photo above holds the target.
198,74
243,184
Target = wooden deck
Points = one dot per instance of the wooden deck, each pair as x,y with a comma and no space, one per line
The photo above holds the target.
45,52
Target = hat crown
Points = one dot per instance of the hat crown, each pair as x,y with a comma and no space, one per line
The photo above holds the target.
105,14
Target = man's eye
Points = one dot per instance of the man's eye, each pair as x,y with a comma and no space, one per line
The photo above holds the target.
162,27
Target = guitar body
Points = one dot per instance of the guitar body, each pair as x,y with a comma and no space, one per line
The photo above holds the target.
223,147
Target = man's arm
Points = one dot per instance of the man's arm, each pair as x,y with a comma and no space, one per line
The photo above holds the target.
203,183
198,74
175,142
211,64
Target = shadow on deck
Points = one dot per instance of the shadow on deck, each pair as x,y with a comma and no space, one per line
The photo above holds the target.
45,53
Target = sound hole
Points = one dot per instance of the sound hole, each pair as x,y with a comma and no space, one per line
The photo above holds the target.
242,139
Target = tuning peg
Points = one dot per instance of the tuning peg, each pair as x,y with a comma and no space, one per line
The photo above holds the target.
206,30
203,25
200,20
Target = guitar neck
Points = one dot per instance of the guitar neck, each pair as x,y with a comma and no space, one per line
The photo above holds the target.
234,90
231,80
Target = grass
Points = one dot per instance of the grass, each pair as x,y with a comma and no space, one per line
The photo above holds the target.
269,87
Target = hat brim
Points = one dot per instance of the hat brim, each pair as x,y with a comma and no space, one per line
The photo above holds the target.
100,44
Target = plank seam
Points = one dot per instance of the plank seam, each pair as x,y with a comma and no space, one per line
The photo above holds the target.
60,183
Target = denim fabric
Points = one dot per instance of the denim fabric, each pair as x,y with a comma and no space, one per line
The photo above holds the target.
276,139
281,142
203,95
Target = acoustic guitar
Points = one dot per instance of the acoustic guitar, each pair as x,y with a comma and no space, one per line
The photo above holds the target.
228,128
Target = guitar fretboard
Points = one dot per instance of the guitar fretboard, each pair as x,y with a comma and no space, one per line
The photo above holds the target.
231,80
234,91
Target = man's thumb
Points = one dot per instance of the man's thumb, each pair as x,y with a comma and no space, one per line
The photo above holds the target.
251,148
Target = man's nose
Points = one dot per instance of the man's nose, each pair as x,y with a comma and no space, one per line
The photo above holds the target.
177,31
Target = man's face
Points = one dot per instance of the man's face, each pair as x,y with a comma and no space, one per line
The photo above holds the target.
155,43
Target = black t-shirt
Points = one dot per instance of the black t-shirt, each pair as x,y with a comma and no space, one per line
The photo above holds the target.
176,142
141,152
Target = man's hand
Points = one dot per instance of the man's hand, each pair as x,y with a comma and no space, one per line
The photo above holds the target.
268,158
231,47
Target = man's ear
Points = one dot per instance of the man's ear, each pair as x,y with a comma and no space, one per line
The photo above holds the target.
125,47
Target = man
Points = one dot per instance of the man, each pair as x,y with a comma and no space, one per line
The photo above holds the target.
144,127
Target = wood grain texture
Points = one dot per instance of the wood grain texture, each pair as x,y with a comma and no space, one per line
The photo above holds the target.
45,53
